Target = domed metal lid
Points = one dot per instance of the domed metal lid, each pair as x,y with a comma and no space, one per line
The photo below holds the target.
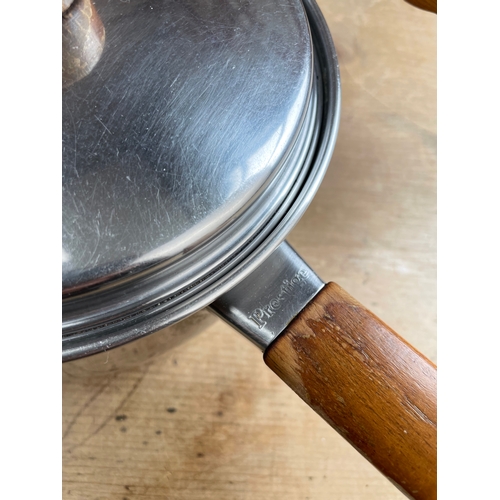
185,139
189,113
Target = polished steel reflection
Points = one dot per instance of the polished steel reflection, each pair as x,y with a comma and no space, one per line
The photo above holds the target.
264,303
142,350
190,114
270,235
126,297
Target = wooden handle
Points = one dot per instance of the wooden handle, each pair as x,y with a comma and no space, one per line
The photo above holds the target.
83,37
370,385
430,5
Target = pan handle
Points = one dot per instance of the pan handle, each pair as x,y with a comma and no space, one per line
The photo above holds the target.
430,5
370,385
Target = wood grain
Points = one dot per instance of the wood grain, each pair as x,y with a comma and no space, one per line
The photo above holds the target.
369,384
371,228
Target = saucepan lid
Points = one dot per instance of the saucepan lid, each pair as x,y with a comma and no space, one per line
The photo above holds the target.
190,149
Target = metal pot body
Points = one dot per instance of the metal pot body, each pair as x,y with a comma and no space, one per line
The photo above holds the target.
142,350
107,306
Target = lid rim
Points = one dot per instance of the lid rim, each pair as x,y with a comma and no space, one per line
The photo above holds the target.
74,347
159,284
178,130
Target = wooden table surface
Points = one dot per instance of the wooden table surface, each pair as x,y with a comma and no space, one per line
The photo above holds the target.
209,420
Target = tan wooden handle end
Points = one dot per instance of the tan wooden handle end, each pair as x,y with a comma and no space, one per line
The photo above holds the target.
369,384
429,5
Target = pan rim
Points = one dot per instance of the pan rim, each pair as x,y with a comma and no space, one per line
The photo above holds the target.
107,335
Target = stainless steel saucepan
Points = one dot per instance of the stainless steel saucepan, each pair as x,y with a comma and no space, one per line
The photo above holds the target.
195,134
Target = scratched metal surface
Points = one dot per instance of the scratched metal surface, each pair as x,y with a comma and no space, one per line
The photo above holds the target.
189,113
132,308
